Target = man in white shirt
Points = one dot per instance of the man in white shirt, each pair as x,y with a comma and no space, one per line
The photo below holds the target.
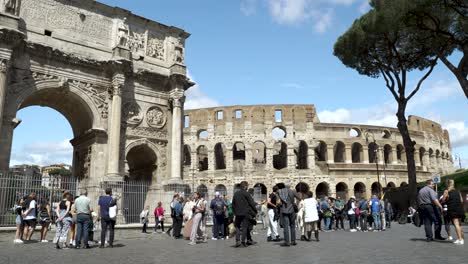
29,216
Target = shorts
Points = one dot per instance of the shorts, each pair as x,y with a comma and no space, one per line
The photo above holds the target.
45,220
30,222
19,220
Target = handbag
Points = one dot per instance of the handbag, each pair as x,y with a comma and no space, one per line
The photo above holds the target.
112,211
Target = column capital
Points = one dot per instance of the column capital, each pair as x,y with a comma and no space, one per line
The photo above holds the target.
118,81
177,97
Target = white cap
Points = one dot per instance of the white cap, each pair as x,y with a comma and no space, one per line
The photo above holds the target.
217,193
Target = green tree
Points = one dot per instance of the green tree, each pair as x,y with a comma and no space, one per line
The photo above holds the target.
60,172
444,24
380,44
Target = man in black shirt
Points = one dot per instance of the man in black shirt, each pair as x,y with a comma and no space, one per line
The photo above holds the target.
245,211
272,233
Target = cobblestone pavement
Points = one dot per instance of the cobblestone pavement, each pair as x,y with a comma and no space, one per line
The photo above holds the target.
401,244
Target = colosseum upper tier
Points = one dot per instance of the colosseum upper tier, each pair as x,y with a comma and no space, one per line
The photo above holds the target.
267,144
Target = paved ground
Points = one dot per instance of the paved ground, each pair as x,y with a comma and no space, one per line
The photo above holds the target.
403,244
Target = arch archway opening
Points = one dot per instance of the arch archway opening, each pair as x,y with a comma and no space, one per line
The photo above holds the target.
141,161
238,151
221,189
342,191
302,187
322,190
359,190
321,151
302,156
280,155
391,185
259,152
357,153
373,148
376,189
354,132
187,156
339,152
401,156
403,184
260,192
278,133
202,156
388,154
202,190
220,156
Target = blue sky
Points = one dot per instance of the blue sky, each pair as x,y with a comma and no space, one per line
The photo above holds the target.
266,52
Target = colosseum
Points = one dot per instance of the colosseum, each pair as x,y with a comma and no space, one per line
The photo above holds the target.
267,144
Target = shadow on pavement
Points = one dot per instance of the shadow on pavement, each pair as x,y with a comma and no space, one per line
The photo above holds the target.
435,240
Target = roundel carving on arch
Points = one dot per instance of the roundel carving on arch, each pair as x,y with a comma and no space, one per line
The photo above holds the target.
155,117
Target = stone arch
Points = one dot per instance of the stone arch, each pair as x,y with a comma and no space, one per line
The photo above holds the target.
302,187
187,155
321,151
145,145
238,151
391,185
220,156
202,190
431,157
342,191
422,153
339,152
302,155
260,192
359,190
376,188
280,157
403,184
372,151
221,188
357,153
202,158
388,154
401,157
259,152
322,189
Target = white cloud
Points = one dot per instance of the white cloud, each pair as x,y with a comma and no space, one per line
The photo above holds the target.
248,7
434,92
340,115
323,20
43,153
196,98
289,11
458,132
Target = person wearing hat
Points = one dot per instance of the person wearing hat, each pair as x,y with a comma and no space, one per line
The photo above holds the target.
218,205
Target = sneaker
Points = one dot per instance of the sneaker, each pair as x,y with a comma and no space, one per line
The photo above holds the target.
353,230
18,241
214,238
227,237
462,242
192,243
44,241
450,238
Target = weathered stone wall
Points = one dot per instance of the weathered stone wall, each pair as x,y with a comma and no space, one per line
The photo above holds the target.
337,154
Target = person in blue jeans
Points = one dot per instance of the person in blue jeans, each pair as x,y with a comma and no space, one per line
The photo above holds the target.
106,222
375,209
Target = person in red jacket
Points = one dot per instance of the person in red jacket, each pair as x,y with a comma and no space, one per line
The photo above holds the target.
159,216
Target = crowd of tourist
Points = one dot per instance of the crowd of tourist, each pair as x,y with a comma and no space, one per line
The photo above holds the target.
74,217
293,211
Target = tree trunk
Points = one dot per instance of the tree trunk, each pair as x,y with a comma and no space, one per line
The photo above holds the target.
460,72
409,149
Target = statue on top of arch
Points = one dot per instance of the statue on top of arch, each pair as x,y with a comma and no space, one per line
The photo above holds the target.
11,7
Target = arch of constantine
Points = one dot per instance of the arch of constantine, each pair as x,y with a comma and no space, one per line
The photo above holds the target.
267,144
120,79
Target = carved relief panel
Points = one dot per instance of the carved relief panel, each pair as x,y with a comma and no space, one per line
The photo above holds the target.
155,117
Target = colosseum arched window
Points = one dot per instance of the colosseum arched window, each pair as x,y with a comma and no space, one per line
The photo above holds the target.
388,154
354,132
302,187
302,155
278,133
221,189
321,151
259,152
431,158
422,153
401,156
203,135
202,156
187,155
376,188
238,151
280,155
202,190
342,190
391,185
357,153
359,190
260,192
373,148
322,190
220,156
339,152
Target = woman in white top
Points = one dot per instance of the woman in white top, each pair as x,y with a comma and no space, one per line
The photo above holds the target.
144,217
351,206
311,216
187,211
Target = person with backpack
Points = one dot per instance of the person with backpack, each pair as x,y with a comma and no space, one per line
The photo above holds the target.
289,211
350,209
218,206
107,220
175,199
144,218
327,214
364,213
375,210
339,214
178,218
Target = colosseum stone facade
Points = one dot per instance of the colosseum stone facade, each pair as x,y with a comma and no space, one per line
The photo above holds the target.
267,144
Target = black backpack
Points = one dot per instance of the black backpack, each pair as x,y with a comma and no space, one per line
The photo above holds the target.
218,207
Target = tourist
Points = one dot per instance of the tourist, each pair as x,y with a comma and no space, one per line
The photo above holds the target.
326,213
446,218
245,210
300,217
83,217
178,218
198,211
29,216
264,214
339,214
351,211
144,218
175,199
331,202
228,216
204,234
288,210
455,210
159,217
19,220
218,206
429,204
383,223
375,210
44,218
311,216
273,214
64,220
363,214
388,213
188,212
107,221
72,229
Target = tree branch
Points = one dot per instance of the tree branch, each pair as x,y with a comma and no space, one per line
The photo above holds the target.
390,85
434,63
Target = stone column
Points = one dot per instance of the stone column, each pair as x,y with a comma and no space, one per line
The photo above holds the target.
113,155
269,159
330,154
3,86
417,160
176,146
365,152
211,160
348,158
394,156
